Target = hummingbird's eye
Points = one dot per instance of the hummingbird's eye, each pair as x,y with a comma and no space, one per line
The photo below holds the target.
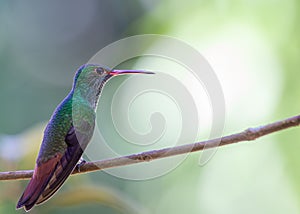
99,70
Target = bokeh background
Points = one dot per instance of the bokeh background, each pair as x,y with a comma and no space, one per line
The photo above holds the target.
253,47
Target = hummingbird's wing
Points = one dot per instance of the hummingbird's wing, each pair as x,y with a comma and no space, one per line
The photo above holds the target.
50,175
65,166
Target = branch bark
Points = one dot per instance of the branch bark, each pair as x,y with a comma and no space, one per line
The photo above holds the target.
249,134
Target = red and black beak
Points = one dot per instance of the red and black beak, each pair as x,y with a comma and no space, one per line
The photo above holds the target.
120,72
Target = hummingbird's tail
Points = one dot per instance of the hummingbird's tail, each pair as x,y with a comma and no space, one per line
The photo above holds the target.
49,176
41,176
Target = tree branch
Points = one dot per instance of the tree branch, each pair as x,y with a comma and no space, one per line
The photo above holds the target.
249,134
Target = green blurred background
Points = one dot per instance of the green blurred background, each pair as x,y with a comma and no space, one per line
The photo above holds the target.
254,49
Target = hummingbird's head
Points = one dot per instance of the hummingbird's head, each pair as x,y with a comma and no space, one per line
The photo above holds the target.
88,74
91,73
90,79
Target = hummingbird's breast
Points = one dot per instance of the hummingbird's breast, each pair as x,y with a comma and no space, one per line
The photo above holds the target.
73,112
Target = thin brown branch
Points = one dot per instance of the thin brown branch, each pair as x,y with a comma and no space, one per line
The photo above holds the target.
247,135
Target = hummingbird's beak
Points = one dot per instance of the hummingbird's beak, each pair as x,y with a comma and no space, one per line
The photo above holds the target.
120,72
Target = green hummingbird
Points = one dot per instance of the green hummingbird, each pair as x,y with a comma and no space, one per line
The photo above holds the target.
67,133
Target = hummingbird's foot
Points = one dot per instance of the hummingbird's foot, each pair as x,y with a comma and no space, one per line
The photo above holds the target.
80,163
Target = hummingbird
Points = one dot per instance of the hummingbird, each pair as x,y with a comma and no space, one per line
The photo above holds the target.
68,133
